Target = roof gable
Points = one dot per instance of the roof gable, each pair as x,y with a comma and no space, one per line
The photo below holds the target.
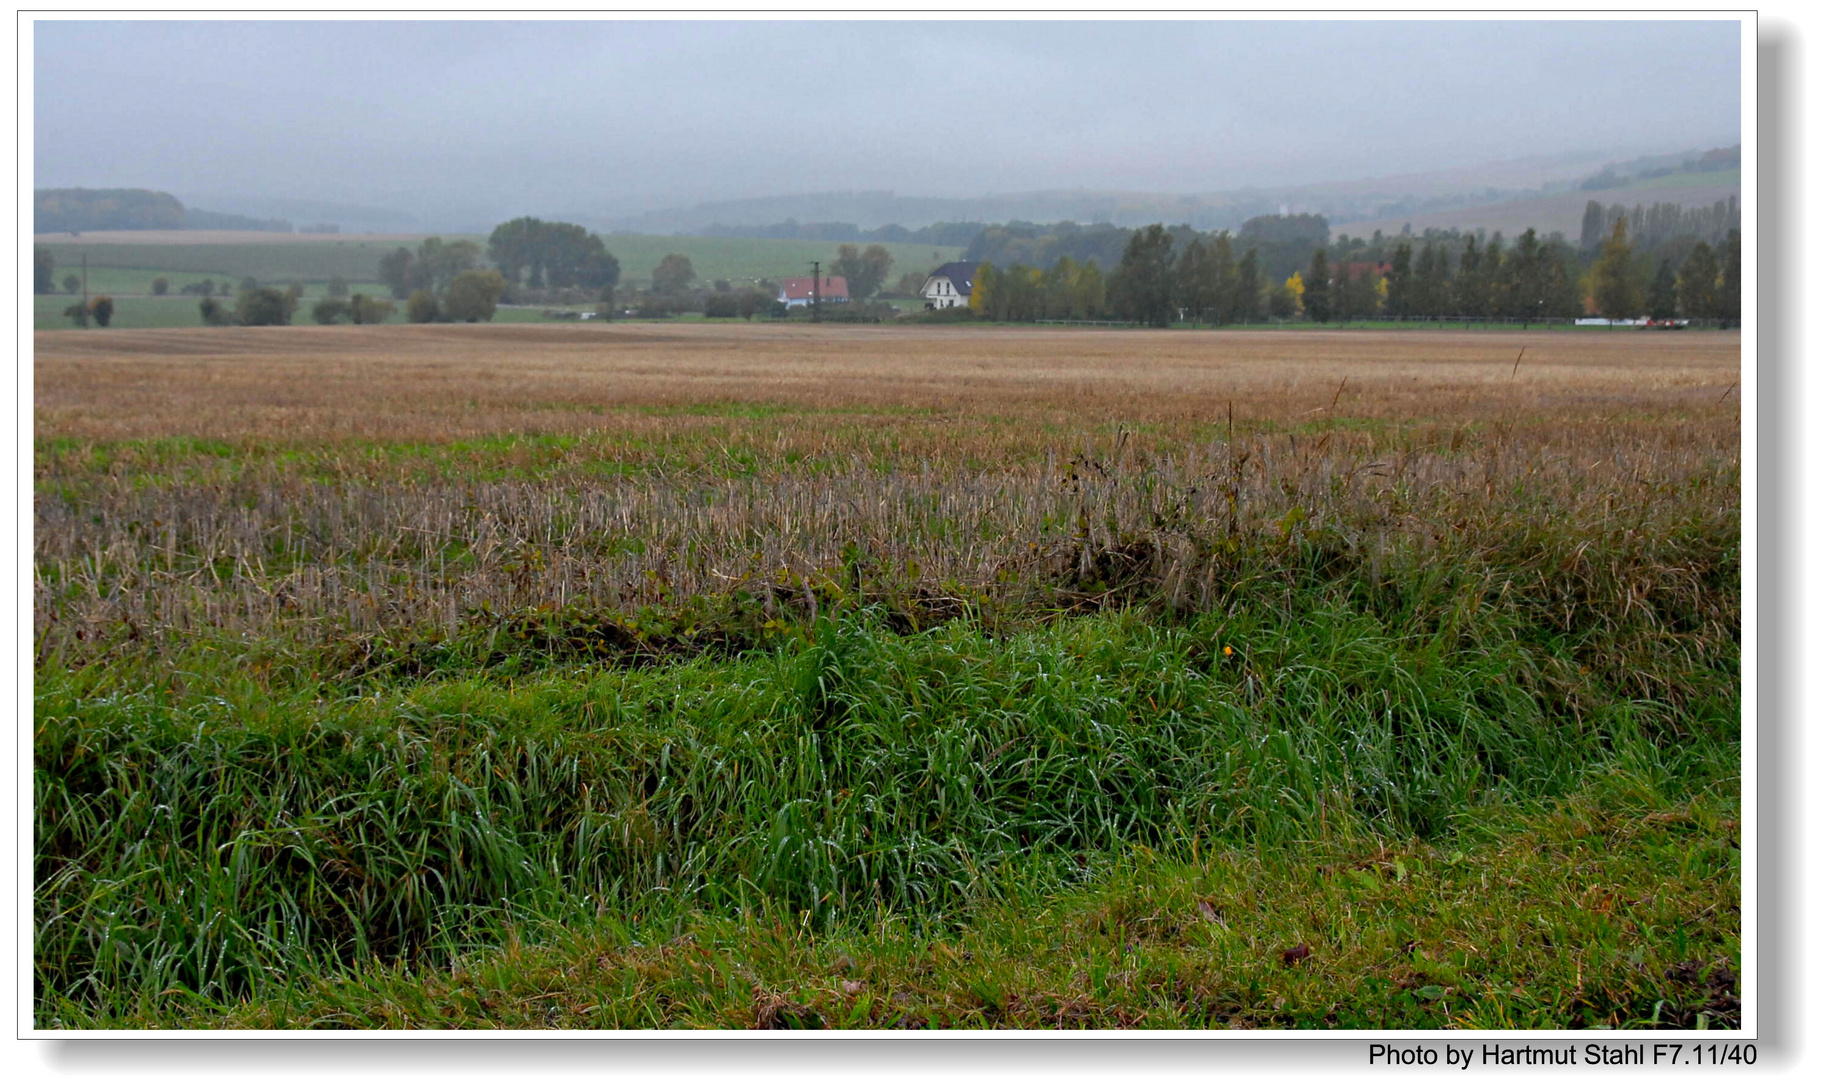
960,274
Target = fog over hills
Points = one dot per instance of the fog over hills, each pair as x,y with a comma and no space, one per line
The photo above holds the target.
669,125
1339,200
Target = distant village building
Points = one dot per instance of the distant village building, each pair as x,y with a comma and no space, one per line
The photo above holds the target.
797,291
949,285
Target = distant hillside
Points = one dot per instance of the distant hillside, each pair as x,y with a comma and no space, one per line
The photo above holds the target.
1562,213
316,212
854,214
1668,170
71,210
65,210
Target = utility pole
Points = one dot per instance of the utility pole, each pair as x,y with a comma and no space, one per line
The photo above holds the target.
816,295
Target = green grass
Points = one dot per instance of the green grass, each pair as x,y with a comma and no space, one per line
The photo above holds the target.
1581,915
131,267
154,312
200,838
119,282
352,258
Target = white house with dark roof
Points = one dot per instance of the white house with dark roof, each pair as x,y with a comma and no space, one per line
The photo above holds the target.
949,285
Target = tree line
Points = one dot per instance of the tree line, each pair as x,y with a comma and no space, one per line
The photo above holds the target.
1279,267
1166,275
1658,224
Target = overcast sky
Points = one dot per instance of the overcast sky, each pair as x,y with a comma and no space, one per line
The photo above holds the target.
528,117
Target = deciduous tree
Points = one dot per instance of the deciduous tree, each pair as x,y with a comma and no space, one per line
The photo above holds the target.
1198,281
672,275
1223,273
395,272
1613,278
263,305
1145,278
422,307
214,312
1663,303
1316,297
1401,281
1245,301
1697,284
473,295
437,262
366,309
552,253
1471,289
1730,279
1591,229
863,271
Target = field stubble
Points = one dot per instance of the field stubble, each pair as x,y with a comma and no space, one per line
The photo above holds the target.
267,484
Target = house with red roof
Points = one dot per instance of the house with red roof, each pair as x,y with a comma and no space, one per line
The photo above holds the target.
797,291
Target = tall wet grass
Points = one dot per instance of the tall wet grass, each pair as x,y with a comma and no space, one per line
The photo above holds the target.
213,845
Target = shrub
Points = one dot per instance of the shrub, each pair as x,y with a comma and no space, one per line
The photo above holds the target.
363,309
473,295
263,306
421,307
78,314
161,286
326,312
102,310
214,312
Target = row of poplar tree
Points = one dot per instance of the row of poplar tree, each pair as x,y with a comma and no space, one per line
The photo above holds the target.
1204,280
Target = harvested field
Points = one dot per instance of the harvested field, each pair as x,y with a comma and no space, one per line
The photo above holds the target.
430,383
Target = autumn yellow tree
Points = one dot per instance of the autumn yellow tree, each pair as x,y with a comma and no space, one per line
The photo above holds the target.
1613,278
983,287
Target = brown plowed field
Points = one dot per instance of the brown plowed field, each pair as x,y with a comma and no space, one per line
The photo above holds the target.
433,382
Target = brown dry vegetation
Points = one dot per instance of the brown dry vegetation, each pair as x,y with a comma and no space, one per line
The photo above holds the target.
431,383
346,500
